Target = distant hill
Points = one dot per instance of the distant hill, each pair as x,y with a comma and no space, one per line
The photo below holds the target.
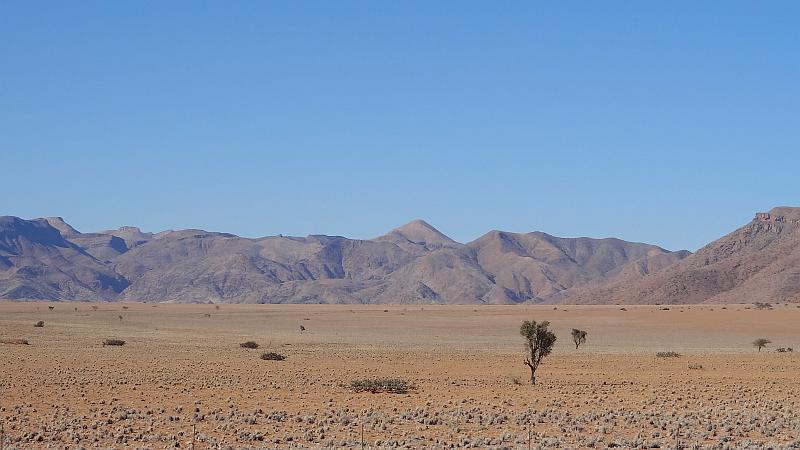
758,262
412,264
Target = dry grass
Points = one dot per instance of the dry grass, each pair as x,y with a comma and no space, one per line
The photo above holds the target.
272,356
378,385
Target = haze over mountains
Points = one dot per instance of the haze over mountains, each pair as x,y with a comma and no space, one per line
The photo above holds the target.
413,264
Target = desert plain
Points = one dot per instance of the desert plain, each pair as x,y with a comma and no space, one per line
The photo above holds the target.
182,380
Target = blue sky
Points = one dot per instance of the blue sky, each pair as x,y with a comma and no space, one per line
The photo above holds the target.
669,122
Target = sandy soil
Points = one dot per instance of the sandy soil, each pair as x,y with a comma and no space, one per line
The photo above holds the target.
182,369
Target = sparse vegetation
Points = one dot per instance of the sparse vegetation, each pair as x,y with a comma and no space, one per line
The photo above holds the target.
695,366
39,324
51,308
377,385
669,354
249,345
113,342
14,341
761,343
578,337
761,305
539,341
784,350
272,356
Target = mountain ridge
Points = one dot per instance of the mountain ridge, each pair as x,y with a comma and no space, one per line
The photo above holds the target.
414,263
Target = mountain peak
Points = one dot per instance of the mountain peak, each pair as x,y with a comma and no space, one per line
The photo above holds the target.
62,226
420,232
780,214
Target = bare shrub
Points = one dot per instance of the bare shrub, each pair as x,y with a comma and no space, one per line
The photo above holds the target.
784,350
272,356
249,345
39,324
696,366
377,385
668,354
761,305
14,341
113,342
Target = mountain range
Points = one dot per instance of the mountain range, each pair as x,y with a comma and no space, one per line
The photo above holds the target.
48,259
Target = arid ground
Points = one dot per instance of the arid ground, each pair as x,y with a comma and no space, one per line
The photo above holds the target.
182,369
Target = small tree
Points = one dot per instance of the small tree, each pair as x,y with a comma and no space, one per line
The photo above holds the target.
539,343
578,337
761,343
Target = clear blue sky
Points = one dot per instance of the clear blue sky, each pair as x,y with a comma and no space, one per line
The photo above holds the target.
664,122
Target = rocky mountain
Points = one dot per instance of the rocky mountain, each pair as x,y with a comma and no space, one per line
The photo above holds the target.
38,262
758,262
415,263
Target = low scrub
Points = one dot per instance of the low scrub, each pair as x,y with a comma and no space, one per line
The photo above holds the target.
39,324
115,342
14,341
377,385
696,366
248,345
784,350
272,356
668,354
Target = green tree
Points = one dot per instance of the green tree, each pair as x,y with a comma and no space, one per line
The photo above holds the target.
761,343
539,343
578,337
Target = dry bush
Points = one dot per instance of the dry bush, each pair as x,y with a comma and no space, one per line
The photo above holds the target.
761,305
115,342
784,350
377,385
39,324
249,345
272,356
668,354
14,341
696,366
